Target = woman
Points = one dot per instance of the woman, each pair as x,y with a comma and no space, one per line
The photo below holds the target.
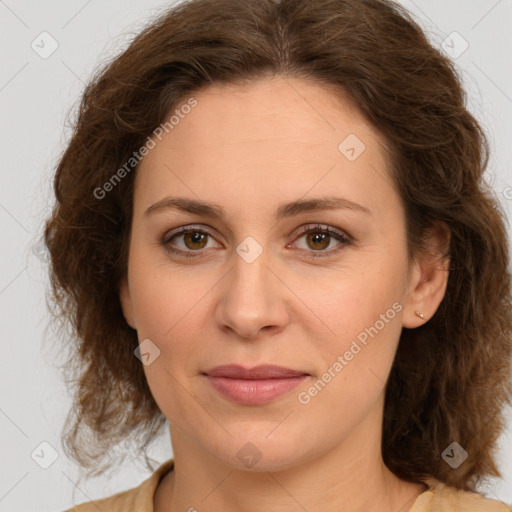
272,234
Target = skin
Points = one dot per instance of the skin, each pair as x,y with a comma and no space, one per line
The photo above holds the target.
249,149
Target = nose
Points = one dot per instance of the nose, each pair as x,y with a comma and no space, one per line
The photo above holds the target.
252,299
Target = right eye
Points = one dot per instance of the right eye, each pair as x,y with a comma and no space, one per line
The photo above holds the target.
193,240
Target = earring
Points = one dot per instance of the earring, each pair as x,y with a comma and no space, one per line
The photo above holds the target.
420,314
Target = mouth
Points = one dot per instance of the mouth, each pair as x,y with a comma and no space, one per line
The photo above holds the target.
254,386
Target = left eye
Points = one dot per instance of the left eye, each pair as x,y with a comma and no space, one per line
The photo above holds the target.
319,238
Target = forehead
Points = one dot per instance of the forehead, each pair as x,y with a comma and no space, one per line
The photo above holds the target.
284,109
269,138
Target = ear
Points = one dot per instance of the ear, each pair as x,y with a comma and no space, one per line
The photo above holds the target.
126,303
428,278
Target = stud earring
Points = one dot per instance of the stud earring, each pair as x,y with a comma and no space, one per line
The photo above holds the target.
420,314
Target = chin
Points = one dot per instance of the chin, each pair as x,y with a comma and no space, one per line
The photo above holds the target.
256,453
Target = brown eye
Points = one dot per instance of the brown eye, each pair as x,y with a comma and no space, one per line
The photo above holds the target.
318,241
318,238
195,239
188,242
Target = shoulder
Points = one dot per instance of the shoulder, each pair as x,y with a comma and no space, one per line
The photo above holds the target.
444,498
135,499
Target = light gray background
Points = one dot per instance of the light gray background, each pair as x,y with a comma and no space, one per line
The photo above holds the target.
36,96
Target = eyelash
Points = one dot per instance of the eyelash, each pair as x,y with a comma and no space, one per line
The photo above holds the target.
338,235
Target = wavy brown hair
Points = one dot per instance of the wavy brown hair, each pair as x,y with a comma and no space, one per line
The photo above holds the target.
451,377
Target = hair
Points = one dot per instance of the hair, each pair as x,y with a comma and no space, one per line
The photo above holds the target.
450,380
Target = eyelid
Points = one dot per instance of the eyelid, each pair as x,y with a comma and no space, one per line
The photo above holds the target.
168,236
341,236
306,228
185,229
301,230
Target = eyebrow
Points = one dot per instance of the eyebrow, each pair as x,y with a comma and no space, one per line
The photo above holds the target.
208,209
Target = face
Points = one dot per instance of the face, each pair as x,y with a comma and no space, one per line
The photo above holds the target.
272,274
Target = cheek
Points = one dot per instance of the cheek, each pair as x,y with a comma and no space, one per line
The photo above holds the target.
169,307
162,295
357,355
164,305
358,299
363,311
365,342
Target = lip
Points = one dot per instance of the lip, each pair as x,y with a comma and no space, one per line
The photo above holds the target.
265,371
258,385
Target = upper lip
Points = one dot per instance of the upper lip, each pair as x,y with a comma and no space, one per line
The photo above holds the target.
268,371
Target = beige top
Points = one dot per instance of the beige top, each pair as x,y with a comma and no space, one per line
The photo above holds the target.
438,498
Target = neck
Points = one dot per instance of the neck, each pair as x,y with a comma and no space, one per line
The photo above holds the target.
351,477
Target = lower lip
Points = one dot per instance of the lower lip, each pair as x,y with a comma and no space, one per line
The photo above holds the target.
254,392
